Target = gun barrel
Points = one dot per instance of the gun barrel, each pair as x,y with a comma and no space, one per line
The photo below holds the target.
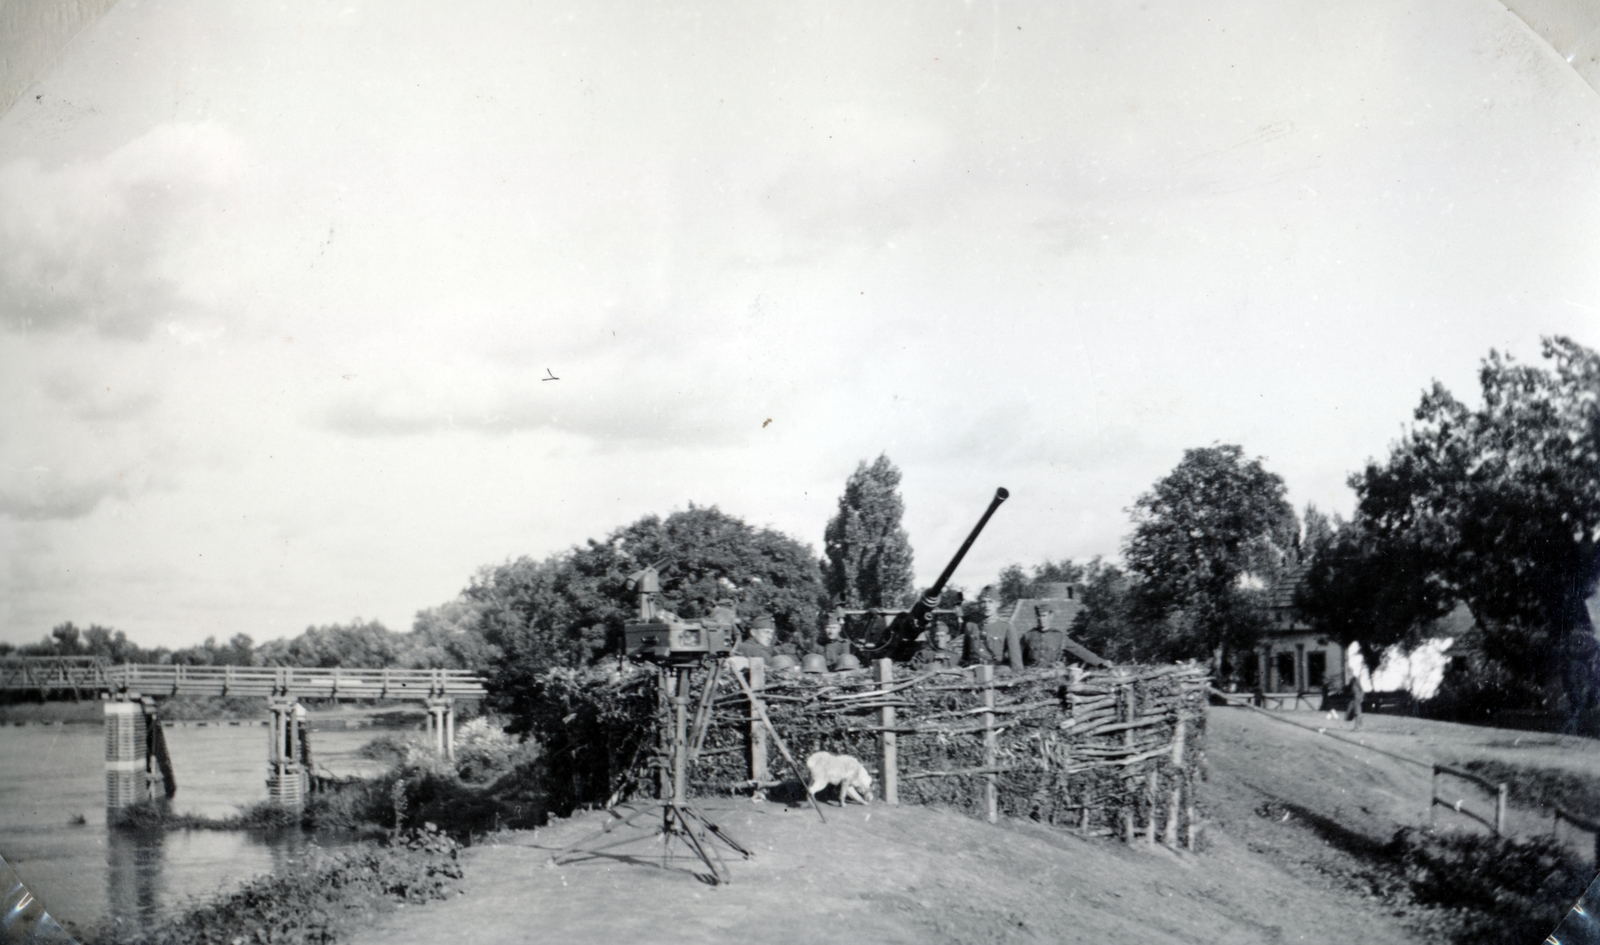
896,637
1000,495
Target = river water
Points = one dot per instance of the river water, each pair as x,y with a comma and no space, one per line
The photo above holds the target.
50,775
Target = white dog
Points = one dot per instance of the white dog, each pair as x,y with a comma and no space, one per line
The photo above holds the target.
843,770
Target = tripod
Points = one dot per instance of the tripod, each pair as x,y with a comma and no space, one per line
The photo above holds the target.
679,818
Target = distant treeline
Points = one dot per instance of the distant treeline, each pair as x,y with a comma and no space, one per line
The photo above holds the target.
365,643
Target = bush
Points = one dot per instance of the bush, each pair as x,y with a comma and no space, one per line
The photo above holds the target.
1509,890
317,902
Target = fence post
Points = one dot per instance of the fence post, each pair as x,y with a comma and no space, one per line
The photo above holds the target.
1074,681
1500,810
991,791
758,732
1171,836
1126,698
663,743
1155,805
1433,794
888,748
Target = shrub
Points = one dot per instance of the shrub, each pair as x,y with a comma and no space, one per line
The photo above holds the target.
316,903
1512,890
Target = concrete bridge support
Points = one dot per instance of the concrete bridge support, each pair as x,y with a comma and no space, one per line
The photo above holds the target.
288,756
136,753
442,726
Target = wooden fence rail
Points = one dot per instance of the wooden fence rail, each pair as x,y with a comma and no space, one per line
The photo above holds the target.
1582,823
1498,790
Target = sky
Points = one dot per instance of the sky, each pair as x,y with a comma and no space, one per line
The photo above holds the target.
309,311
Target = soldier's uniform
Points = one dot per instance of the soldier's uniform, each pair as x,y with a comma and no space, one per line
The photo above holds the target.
1042,646
995,641
754,649
931,657
833,650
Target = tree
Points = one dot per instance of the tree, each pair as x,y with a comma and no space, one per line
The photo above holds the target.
1016,584
1502,505
868,554
1105,623
365,643
1211,522
449,636
1369,590
570,609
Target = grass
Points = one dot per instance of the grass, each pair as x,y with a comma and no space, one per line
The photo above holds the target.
317,903
1537,786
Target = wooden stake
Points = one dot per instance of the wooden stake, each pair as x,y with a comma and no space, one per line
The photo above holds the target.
888,747
991,790
758,735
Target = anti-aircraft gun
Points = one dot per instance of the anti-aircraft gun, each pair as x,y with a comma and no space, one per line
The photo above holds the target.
659,636
893,634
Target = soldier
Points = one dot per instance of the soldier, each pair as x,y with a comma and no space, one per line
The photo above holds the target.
936,653
996,639
759,643
1042,645
723,614
833,644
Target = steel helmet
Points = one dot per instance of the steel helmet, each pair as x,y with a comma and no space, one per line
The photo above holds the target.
814,663
847,661
781,662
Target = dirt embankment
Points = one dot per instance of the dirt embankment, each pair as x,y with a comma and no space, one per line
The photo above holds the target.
882,875
1294,852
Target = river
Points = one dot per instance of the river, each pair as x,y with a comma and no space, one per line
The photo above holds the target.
51,775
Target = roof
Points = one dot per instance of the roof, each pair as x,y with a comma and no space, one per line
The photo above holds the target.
1059,613
1054,613
1281,595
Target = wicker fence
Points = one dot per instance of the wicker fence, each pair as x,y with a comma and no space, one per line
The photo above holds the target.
1110,752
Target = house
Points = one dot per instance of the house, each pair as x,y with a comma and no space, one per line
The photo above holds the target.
1291,657
1054,609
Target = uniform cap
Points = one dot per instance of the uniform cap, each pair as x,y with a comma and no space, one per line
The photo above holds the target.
763,622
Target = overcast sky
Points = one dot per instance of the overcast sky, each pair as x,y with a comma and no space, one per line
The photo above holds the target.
280,285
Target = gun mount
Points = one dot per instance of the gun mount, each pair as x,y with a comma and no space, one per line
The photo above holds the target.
893,633
659,636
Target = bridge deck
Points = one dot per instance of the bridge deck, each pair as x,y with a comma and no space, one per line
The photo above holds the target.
60,674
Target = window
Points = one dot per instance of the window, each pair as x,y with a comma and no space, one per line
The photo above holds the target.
1285,667
1316,669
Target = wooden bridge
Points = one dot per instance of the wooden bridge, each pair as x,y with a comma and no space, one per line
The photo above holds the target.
58,675
137,761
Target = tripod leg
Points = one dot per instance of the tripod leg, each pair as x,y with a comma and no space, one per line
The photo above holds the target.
693,842
611,825
717,831
702,712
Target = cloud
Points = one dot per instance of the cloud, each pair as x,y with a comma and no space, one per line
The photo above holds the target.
102,244
80,426
647,403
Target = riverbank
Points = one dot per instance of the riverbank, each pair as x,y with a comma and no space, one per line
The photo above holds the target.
320,901
178,712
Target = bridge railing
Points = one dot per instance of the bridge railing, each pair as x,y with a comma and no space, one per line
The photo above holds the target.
49,674
329,683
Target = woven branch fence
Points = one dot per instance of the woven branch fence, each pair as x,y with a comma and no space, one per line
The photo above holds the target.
1107,752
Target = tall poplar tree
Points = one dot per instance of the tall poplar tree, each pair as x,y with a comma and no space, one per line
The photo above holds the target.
868,554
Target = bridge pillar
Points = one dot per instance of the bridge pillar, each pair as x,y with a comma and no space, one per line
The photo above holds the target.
132,734
126,735
288,778
442,726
